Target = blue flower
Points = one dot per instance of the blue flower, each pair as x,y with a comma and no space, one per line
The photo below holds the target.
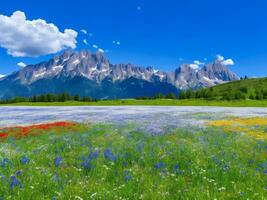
15,182
225,167
2,176
18,173
127,155
177,170
54,198
24,160
265,171
56,178
124,164
58,161
109,155
176,167
140,147
4,162
87,160
160,165
93,155
127,176
86,164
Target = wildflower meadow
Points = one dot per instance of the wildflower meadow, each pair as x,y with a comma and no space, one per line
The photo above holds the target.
66,160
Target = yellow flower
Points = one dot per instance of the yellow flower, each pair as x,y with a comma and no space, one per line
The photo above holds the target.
250,126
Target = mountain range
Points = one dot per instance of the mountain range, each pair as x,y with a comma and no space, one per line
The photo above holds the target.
92,74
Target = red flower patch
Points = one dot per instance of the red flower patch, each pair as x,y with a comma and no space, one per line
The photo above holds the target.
3,135
22,131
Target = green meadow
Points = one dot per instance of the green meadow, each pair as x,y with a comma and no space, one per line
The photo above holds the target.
120,162
150,102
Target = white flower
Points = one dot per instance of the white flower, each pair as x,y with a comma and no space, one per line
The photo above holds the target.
77,197
93,195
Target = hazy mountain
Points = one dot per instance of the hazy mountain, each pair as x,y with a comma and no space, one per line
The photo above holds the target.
92,74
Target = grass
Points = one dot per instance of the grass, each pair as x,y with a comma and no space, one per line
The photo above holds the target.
107,162
156,102
248,88
251,84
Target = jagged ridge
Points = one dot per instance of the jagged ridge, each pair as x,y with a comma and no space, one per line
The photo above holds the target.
89,73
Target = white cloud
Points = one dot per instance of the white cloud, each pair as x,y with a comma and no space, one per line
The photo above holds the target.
116,42
95,46
32,38
85,42
84,31
194,66
225,61
1,75
21,64
101,50
219,57
228,62
197,62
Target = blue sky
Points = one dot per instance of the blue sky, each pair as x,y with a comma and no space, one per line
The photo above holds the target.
160,33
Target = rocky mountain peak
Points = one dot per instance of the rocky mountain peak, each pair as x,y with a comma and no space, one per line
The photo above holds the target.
218,71
96,68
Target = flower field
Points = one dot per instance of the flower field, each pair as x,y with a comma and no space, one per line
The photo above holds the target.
65,160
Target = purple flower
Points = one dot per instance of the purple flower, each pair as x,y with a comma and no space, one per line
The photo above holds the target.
58,161
24,160
265,171
109,155
15,182
160,165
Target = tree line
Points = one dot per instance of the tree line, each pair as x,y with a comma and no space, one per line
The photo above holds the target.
63,97
211,94
229,94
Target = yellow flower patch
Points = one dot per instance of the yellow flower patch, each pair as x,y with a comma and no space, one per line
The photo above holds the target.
251,126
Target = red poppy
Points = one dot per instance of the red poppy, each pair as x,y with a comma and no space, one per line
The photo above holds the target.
20,131
3,135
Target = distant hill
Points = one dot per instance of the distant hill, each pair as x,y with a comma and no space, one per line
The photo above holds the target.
255,88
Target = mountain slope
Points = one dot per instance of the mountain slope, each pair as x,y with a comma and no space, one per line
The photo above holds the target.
92,74
255,88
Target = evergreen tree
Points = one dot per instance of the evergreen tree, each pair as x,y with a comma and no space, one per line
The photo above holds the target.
251,96
182,95
159,96
170,96
76,98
